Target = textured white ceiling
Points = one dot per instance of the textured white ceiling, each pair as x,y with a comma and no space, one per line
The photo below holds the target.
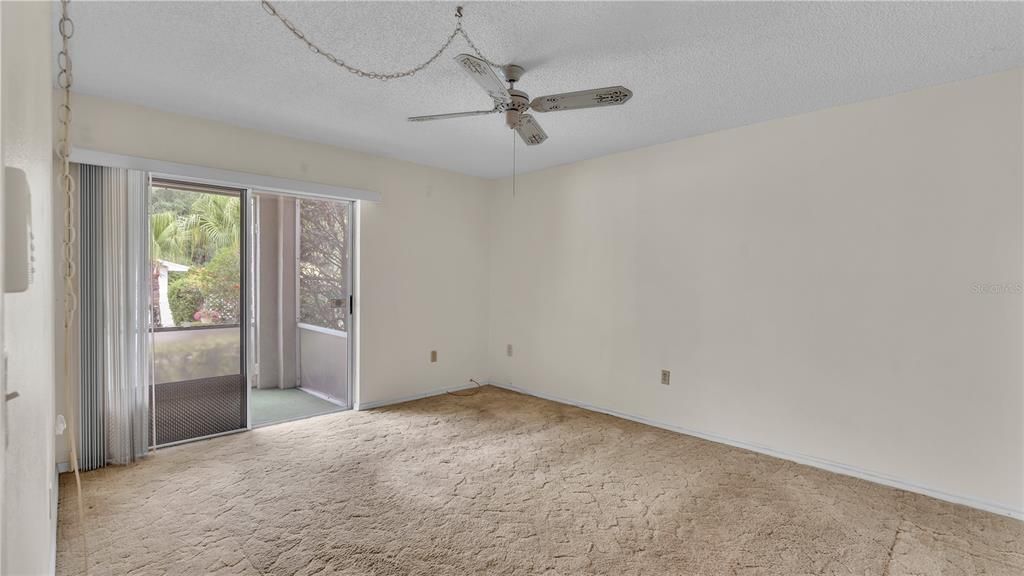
693,67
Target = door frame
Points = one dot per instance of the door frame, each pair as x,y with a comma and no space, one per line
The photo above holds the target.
252,302
352,340
243,193
299,325
271,184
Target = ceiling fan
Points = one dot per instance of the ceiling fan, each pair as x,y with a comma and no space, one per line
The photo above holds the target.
515,103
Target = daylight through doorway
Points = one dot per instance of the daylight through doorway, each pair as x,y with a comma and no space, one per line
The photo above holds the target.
198,287
302,307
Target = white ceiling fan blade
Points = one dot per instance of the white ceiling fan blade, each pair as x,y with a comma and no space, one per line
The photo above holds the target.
484,75
610,96
530,131
452,115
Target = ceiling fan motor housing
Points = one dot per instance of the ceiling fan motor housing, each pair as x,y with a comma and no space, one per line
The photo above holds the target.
512,73
514,110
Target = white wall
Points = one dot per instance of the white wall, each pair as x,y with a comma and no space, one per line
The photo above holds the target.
818,285
278,356
812,282
423,259
26,70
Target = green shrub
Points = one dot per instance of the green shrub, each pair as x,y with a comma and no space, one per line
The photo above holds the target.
186,298
207,294
221,287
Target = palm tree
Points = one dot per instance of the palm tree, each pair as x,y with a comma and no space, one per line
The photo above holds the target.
214,222
193,236
165,243
165,238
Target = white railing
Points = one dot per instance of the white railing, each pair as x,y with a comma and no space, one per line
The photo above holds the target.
323,362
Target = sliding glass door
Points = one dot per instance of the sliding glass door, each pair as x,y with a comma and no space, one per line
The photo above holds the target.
324,264
198,297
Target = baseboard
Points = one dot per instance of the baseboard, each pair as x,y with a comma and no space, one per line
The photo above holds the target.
435,392
837,467
63,467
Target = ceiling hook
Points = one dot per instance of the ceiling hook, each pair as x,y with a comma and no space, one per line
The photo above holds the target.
458,11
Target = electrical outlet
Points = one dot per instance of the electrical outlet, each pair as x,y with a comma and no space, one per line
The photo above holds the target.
508,351
665,377
433,356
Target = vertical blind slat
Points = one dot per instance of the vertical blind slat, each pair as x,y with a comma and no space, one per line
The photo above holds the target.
113,256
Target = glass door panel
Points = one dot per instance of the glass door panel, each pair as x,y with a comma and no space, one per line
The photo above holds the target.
198,292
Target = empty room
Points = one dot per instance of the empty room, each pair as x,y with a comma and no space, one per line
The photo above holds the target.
512,288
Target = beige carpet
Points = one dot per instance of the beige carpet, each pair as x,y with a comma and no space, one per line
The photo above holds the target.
500,483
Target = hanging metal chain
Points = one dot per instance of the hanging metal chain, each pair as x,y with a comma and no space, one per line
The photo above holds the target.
313,47
66,28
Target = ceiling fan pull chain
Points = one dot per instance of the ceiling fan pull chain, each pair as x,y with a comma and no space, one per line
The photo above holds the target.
513,165
383,76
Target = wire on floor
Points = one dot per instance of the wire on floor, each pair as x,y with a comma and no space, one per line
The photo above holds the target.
470,392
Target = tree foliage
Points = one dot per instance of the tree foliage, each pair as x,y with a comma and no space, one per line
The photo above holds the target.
201,231
323,263
190,227
214,222
185,296
209,294
165,237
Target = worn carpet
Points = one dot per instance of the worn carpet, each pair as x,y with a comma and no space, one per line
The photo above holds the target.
500,483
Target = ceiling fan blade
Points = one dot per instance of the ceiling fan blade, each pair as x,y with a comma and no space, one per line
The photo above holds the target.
530,131
610,96
484,75
452,115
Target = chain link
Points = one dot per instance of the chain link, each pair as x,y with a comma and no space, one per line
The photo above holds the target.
383,76
65,78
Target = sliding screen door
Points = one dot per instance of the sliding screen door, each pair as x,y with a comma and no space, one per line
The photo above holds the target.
198,280
324,303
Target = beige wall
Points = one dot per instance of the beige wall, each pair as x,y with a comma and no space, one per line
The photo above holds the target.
842,285
26,70
278,357
423,257
269,357
839,286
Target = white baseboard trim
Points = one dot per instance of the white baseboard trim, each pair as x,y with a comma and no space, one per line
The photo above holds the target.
812,461
436,392
63,467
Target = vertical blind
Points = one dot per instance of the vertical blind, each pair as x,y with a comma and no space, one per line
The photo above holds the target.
114,288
